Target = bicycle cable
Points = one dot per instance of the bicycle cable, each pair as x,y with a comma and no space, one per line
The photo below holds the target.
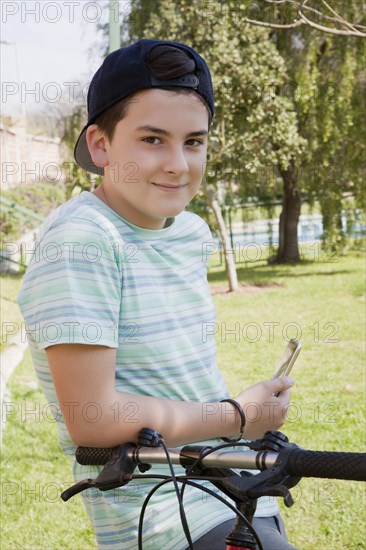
207,451
202,488
187,480
180,501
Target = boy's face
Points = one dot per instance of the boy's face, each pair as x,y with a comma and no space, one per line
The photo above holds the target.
155,162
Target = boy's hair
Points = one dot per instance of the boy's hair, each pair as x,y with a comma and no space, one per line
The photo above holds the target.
165,62
143,65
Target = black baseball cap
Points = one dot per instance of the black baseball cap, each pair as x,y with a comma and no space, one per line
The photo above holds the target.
126,71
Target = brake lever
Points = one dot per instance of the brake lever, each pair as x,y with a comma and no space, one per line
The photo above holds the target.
116,473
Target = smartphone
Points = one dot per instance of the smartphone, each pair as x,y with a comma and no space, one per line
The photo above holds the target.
288,358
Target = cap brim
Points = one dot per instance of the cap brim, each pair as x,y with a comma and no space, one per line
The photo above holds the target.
82,155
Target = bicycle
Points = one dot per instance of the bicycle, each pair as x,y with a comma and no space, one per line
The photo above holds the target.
281,463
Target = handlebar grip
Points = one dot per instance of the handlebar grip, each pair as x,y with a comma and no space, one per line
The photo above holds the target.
332,465
93,456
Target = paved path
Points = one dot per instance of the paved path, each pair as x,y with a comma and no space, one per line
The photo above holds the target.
9,359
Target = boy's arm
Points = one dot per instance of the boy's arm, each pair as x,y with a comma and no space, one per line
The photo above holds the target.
98,415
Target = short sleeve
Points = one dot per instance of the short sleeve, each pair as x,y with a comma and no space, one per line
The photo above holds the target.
71,291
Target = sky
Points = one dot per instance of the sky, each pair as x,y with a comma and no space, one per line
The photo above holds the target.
51,50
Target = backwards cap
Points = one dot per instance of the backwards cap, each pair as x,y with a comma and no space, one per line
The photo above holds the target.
126,71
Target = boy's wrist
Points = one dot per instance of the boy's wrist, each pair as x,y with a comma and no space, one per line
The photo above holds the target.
236,414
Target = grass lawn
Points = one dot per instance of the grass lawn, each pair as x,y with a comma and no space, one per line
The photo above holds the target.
323,304
10,314
34,472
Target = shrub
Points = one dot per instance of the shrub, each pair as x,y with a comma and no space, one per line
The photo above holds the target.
41,198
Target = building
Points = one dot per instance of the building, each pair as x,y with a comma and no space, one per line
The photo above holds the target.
28,159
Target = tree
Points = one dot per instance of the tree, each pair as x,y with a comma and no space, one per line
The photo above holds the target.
326,84
320,16
76,178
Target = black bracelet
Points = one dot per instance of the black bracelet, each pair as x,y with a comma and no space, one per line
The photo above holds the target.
242,420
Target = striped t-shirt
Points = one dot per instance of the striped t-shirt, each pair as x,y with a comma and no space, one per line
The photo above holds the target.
94,278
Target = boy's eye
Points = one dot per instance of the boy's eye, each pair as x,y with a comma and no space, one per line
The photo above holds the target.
152,140
194,142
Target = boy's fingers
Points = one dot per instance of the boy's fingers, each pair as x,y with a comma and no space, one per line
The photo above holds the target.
281,384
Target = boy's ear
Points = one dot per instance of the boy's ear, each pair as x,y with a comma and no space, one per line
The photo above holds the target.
96,141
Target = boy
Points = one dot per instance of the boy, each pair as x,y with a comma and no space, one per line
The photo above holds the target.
116,298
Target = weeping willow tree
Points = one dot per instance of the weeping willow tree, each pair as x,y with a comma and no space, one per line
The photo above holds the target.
328,97
323,45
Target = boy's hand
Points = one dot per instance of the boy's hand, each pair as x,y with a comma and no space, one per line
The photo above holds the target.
263,410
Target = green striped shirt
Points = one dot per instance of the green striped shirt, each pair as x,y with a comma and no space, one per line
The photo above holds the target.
94,278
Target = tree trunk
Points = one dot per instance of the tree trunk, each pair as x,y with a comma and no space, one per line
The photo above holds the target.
228,251
288,250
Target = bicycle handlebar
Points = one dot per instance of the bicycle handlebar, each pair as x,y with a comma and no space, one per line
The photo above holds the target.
300,462
282,465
